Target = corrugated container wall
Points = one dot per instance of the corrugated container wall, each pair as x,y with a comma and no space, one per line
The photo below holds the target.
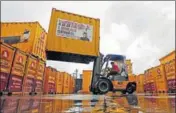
169,66
161,82
72,34
146,81
140,83
66,83
60,83
152,80
132,78
40,76
30,74
6,59
51,82
17,72
29,37
87,76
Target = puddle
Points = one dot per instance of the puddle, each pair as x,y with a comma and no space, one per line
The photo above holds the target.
111,103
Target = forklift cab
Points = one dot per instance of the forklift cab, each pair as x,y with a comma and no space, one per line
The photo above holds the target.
101,83
119,60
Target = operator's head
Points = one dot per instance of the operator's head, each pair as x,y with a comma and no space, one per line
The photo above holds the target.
112,63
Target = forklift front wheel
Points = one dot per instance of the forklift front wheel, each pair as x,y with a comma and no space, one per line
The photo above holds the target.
1,93
103,86
131,88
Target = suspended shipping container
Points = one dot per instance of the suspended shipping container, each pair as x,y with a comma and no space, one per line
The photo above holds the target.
29,37
72,37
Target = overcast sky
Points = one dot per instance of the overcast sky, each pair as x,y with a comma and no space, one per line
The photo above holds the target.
143,31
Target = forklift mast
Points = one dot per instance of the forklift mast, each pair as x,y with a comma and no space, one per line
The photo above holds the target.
96,69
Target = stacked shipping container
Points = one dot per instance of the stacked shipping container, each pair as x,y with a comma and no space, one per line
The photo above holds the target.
140,83
29,37
169,66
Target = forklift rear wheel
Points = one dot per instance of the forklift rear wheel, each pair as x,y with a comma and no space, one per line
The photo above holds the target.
103,86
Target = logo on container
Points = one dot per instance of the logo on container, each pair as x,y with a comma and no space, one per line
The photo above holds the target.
159,72
32,65
5,54
42,35
20,59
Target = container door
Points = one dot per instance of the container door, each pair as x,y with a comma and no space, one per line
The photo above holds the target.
6,59
17,73
30,75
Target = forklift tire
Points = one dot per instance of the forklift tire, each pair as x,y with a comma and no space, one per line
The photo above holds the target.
123,92
130,89
94,92
9,93
1,93
103,86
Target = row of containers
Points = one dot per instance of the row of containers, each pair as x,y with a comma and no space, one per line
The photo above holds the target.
23,73
159,79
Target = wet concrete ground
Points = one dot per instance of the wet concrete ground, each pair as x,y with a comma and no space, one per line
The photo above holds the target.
79,103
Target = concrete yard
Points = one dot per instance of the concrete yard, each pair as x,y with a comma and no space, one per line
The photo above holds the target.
87,103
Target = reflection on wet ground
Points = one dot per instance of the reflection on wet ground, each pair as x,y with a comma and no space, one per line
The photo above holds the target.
110,103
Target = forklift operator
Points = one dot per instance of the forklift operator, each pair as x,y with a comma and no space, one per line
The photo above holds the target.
115,69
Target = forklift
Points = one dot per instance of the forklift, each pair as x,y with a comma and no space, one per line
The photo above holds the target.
102,84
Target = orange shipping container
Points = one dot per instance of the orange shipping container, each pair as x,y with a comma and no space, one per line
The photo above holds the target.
132,78
147,87
66,83
17,72
6,59
49,84
75,34
161,82
29,82
71,85
29,37
169,66
87,76
140,83
52,84
40,76
152,80
129,66
59,83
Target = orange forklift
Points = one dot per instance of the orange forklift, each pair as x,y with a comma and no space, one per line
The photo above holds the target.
102,84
